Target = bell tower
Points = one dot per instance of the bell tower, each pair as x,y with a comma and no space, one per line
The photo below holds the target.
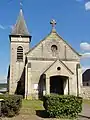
19,44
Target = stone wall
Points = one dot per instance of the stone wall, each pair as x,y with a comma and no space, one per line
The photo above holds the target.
85,92
43,49
16,67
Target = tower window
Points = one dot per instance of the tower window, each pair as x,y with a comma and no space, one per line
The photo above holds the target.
20,54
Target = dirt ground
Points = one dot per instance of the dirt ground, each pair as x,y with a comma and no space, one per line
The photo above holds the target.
28,117
24,117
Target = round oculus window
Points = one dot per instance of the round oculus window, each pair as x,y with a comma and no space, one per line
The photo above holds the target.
58,68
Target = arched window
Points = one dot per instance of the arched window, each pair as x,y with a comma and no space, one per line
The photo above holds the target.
20,54
54,50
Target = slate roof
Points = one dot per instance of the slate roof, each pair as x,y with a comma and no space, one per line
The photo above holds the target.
86,75
20,27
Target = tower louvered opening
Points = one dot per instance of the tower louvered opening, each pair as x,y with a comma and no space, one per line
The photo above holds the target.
20,54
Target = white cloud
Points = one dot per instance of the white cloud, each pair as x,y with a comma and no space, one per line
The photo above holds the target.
85,46
84,68
85,55
5,27
3,79
87,5
2,27
79,0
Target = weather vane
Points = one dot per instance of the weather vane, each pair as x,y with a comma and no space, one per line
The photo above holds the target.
21,4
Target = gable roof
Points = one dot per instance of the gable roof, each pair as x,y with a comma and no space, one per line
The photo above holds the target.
59,37
86,75
20,27
62,64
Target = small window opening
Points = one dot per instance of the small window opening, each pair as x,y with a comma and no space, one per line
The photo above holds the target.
20,54
54,48
58,68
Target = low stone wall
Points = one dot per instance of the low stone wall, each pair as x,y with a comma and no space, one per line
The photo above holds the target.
85,92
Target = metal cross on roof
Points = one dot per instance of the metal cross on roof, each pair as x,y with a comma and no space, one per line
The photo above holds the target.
53,23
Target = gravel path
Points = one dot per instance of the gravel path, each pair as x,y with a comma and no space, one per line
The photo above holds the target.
85,115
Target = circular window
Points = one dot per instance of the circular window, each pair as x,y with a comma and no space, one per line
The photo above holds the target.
58,68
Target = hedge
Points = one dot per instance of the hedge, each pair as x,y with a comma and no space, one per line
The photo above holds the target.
62,106
11,104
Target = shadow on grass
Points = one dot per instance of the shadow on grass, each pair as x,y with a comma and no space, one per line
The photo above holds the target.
42,113
83,116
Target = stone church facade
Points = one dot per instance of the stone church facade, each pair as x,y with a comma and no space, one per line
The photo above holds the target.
52,66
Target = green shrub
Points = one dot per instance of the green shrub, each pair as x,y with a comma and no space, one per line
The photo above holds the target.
11,104
63,106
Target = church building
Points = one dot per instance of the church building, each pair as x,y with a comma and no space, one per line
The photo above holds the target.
51,66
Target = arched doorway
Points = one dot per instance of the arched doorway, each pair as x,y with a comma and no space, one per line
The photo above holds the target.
42,85
58,84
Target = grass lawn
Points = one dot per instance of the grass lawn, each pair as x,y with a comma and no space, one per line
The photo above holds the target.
31,106
29,111
86,101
